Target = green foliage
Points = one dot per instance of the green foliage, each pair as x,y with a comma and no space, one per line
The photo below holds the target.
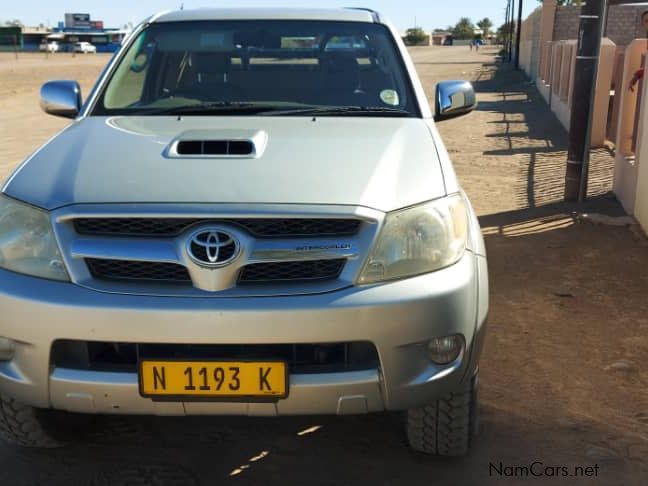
464,29
415,36
485,25
503,33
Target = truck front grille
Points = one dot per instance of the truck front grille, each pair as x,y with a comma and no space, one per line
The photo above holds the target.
291,271
257,273
259,227
140,271
148,250
301,358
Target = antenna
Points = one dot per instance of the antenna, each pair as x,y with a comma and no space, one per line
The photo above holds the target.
182,6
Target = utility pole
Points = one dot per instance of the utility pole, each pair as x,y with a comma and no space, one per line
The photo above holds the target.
506,23
510,53
592,22
517,38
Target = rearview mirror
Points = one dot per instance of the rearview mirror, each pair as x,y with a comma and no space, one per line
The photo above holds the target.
454,98
61,98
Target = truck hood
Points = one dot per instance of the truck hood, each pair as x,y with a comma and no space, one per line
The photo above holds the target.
380,163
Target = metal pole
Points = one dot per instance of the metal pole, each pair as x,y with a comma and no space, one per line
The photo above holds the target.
510,52
587,55
517,38
582,193
506,19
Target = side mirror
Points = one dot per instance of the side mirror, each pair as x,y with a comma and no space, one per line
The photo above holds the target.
61,98
454,98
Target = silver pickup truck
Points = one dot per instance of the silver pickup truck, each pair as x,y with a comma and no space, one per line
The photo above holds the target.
252,213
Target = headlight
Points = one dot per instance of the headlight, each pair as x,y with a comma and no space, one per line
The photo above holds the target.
27,242
418,240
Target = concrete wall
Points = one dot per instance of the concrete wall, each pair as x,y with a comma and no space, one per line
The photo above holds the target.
602,95
530,43
641,162
566,23
556,81
548,56
624,23
547,21
626,161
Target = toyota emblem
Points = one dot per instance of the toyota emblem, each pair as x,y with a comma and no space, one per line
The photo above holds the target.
213,247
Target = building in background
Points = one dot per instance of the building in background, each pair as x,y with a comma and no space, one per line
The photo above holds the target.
76,27
441,38
11,38
80,27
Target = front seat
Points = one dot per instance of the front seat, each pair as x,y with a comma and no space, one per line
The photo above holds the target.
341,79
212,76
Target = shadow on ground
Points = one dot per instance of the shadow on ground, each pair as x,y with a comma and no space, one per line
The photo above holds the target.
314,450
567,342
521,129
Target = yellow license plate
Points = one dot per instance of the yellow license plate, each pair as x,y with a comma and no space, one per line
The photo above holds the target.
213,379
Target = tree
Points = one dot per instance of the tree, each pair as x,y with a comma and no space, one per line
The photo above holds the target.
504,32
485,25
464,29
14,23
415,36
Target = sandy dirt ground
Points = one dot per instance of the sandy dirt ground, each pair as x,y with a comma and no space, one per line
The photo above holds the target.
565,369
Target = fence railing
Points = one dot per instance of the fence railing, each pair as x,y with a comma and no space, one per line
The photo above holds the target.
555,81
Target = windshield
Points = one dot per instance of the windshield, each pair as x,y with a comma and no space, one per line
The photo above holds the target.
260,65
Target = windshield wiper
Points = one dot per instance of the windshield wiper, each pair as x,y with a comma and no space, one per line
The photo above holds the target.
220,107
241,107
341,111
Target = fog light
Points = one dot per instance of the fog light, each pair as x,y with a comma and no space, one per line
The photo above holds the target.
7,348
446,349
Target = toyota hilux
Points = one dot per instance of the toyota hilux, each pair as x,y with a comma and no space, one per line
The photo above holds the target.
252,213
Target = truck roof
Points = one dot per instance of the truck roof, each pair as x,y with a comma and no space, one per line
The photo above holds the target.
339,14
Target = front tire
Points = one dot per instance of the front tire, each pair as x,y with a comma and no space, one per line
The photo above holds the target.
26,426
447,426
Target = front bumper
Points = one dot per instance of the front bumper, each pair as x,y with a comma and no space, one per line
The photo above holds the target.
398,317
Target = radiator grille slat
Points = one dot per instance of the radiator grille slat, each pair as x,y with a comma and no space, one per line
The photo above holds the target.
259,227
258,273
138,271
291,271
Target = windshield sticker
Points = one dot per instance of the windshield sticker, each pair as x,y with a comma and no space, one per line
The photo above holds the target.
389,97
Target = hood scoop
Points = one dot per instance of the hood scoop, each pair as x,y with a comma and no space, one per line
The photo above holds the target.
215,147
241,144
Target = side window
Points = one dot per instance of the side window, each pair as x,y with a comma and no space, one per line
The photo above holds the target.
127,84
